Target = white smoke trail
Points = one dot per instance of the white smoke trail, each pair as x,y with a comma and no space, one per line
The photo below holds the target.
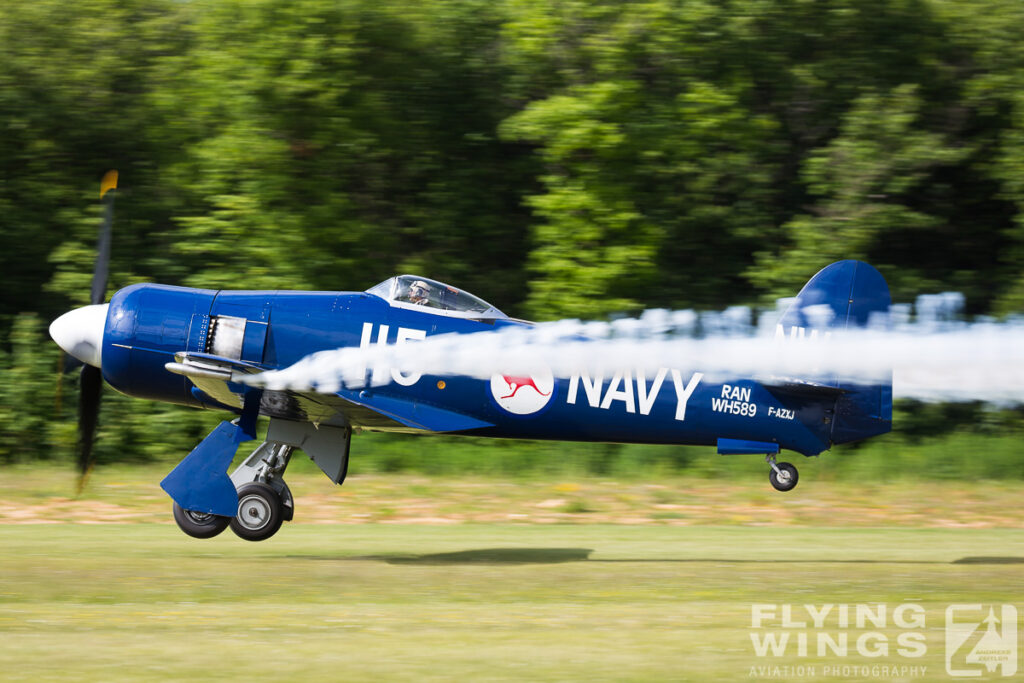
932,358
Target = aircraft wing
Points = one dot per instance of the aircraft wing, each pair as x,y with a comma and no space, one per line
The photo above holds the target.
214,386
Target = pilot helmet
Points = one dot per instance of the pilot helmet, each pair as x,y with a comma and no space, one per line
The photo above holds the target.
419,290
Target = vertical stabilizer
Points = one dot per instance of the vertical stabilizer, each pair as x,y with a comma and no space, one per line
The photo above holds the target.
846,295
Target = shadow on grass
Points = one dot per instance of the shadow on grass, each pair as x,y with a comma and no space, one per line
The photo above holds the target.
989,560
513,556
495,556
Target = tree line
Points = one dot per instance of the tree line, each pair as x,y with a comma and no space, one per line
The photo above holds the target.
557,158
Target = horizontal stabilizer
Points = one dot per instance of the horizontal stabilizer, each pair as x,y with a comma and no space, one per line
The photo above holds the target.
802,388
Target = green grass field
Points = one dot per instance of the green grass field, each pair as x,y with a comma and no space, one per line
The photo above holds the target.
378,601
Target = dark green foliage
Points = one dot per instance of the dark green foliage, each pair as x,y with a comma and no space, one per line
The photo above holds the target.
557,158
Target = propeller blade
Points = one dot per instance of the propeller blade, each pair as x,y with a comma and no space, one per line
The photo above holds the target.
102,267
91,383
65,364
58,402
88,414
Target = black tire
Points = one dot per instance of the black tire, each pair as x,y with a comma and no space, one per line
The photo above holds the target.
199,524
259,512
788,479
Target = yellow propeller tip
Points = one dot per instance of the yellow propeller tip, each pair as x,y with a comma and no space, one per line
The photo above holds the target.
108,183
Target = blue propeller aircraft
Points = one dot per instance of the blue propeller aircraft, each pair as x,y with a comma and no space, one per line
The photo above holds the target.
189,347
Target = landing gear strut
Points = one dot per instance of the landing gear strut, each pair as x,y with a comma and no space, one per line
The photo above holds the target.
783,475
255,500
264,500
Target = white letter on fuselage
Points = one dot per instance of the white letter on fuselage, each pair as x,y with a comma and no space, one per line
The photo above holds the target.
625,394
379,368
592,387
683,395
646,398
404,335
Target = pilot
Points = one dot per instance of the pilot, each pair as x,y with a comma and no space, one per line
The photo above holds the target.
419,293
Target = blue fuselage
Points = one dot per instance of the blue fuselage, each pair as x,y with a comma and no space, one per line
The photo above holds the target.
148,324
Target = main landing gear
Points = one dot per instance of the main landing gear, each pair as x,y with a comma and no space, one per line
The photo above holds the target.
264,500
783,475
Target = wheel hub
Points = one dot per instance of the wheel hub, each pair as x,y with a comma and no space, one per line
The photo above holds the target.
253,512
199,517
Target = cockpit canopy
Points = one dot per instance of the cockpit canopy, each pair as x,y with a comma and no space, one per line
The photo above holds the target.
414,290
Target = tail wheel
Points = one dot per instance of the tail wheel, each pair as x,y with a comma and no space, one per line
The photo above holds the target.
784,478
259,512
199,524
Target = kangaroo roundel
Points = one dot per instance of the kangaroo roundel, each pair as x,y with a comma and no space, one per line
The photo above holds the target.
525,393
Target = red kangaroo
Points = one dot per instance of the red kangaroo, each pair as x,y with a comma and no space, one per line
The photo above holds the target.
517,383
